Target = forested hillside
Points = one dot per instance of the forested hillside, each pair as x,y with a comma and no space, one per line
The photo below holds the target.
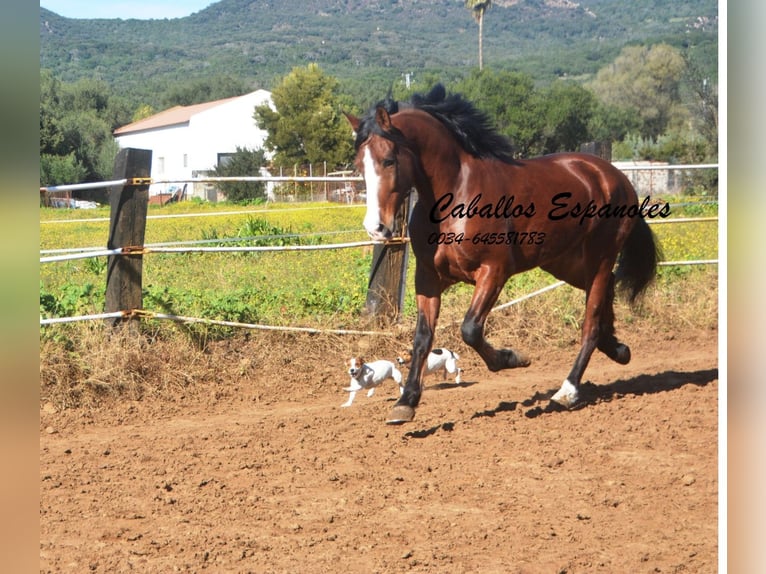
368,44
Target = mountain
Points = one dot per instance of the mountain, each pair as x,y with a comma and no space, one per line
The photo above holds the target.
369,42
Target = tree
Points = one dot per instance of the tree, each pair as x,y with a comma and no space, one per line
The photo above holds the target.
57,169
142,112
307,125
645,80
568,109
537,121
205,90
612,123
478,8
244,162
703,105
50,112
76,124
512,102
90,139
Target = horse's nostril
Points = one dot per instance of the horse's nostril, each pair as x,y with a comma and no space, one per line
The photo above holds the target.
380,228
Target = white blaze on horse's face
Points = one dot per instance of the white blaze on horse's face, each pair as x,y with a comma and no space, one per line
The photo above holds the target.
372,221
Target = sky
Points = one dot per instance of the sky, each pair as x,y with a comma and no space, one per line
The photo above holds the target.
141,9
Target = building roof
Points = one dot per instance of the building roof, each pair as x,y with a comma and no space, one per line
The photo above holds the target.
170,117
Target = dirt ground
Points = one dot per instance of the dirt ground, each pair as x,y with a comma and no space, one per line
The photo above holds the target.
269,474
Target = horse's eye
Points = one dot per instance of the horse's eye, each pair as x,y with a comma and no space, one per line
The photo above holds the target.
388,162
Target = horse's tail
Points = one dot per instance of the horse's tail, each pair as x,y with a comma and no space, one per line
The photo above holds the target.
637,265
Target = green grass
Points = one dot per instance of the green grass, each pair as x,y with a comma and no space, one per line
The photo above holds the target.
279,288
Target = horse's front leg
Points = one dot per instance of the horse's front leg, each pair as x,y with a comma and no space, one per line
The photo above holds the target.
488,287
428,313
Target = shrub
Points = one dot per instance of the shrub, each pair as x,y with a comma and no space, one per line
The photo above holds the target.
244,162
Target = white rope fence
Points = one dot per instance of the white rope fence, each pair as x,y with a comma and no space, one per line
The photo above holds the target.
142,313
265,179
287,329
85,252
218,249
185,319
148,181
688,262
297,236
528,296
83,186
223,249
668,167
93,317
560,283
682,220
308,179
210,214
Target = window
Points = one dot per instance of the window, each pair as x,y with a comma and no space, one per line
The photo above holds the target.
224,158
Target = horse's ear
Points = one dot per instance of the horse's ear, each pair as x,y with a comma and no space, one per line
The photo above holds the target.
383,119
353,120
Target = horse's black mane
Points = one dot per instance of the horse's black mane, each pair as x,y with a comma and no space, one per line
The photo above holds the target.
471,127
368,125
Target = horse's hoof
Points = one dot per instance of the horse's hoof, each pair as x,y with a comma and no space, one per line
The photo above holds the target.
622,354
522,360
618,352
401,414
567,396
508,359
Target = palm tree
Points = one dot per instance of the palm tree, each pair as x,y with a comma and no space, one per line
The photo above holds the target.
477,8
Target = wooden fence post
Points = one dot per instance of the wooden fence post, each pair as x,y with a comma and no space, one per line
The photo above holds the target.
127,228
385,291
602,149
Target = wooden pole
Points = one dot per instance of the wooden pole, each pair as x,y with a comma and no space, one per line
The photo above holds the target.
127,228
602,149
385,291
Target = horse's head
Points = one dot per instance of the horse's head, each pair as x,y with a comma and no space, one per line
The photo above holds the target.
388,166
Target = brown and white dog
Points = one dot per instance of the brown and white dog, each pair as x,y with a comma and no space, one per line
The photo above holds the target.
442,360
370,376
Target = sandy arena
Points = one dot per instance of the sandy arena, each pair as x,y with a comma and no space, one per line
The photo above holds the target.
258,469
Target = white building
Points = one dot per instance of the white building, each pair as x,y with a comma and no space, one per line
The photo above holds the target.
188,141
649,177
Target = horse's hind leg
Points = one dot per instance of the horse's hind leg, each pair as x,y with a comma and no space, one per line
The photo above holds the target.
598,306
488,287
607,342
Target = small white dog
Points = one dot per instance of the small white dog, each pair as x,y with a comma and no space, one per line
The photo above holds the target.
369,376
442,360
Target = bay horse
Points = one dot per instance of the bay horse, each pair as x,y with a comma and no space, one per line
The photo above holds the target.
482,216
